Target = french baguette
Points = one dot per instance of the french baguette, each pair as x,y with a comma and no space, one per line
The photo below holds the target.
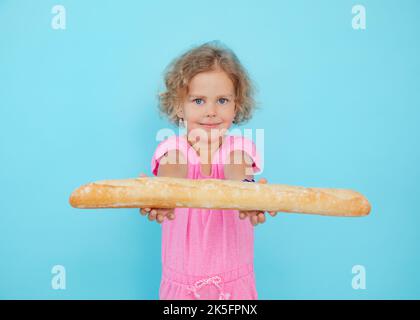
168,192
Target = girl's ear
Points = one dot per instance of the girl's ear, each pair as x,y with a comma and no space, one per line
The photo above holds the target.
180,112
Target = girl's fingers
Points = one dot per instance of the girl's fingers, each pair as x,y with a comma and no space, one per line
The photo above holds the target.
143,175
160,218
144,211
245,214
160,214
261,218
262,180
152,215
254,219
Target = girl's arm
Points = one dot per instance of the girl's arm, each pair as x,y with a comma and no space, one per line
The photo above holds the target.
171,164
239,166
240,171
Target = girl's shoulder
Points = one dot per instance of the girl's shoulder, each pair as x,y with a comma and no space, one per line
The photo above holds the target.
171,142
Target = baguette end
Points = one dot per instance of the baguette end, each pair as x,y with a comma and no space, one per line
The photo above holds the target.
73,199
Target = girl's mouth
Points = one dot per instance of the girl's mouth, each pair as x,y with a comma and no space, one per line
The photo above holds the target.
209,125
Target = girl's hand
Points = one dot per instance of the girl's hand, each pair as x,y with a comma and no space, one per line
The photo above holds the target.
157,214
256,217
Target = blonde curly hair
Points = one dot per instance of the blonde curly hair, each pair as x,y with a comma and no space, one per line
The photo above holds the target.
206,57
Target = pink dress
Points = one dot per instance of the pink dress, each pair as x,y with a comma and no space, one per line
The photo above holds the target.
207,253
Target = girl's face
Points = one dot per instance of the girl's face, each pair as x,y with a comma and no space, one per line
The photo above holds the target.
209,107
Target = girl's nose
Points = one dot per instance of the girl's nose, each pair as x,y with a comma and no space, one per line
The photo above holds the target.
211,110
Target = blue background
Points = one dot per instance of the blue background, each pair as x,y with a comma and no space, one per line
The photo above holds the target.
340,108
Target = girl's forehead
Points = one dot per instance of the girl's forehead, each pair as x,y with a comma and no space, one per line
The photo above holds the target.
220,86
198,95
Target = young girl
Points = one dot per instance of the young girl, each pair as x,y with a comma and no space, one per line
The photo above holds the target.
207,253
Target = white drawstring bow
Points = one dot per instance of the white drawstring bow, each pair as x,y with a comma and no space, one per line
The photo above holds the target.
208,281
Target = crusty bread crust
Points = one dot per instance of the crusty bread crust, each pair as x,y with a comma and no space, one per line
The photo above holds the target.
166,192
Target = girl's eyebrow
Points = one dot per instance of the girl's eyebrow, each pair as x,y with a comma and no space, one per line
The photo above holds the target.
200,96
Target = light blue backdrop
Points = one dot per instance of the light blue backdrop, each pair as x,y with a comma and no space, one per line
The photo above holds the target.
340,108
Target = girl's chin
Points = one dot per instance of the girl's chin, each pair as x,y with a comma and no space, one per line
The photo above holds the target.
208,130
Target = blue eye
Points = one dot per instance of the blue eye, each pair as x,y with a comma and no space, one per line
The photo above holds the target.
198,99
224,99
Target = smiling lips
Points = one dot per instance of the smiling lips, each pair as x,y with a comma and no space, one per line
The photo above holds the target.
211,125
